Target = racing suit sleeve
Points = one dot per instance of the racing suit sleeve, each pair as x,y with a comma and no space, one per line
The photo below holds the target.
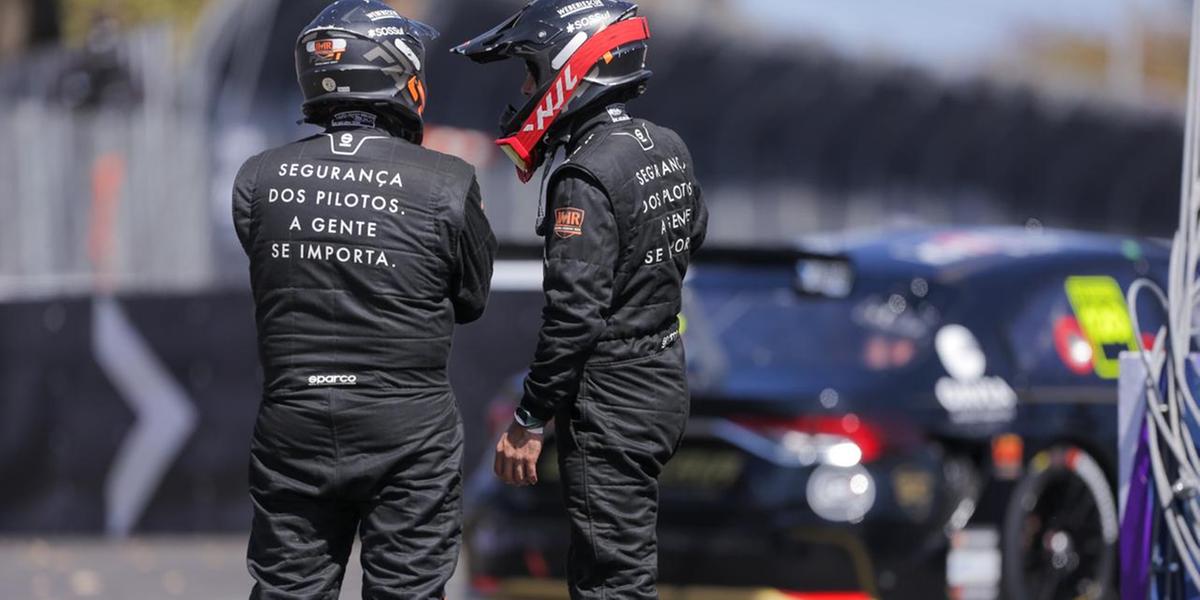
243,200
582,251
476,253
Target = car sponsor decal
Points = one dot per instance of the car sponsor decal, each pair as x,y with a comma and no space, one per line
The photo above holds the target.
969,395
913,488
568,222
1103,317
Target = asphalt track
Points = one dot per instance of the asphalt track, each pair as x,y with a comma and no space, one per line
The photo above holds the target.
175,568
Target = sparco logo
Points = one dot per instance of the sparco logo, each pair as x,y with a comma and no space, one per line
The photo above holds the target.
319,380
555,98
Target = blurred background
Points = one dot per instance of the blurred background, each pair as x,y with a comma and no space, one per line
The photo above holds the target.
128,376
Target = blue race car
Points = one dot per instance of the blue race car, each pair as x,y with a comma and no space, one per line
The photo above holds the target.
915,415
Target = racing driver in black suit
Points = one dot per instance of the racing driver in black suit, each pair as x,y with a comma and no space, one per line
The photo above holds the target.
623,216
365,249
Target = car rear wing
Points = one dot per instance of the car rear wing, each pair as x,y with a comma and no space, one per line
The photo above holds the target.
818,274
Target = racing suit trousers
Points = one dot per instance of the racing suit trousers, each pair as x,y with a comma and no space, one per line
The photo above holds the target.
623,427
332,464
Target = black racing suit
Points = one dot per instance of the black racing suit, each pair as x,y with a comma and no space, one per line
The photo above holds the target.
365,250
624,215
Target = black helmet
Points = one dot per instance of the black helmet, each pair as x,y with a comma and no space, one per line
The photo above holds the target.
580,52
363,53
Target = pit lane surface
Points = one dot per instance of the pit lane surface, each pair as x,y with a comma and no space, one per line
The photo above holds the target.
177,568
213,568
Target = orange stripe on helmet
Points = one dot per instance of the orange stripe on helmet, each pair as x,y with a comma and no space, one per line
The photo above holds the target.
417,90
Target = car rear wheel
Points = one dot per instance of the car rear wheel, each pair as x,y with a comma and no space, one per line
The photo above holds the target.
1060,530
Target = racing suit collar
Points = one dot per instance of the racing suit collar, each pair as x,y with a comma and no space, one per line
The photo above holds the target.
577,132
358,119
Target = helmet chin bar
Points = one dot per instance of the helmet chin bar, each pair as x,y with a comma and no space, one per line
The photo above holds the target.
521,148
521,157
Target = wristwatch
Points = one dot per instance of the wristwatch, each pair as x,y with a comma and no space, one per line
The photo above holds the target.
526,420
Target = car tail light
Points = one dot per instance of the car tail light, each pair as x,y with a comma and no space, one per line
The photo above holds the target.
1073,346
841,441
826,595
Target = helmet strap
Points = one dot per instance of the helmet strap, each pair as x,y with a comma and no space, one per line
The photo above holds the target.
540,226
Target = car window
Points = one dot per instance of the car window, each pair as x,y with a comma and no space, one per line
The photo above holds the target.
751,320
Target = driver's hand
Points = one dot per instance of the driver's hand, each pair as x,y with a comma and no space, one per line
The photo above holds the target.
517,455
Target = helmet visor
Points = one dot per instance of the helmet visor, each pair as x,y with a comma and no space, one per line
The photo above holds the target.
492,45
422,31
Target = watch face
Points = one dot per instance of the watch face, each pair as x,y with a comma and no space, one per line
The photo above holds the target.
525,419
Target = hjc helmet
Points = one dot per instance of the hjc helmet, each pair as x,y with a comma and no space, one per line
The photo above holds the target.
581,53
362,53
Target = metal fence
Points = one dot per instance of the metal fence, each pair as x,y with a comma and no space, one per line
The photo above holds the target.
102,194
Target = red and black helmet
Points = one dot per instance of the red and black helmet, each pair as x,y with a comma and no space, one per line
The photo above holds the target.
581,53
364,53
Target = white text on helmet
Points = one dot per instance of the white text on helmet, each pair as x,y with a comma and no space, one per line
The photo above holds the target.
576,7
376,15
555,98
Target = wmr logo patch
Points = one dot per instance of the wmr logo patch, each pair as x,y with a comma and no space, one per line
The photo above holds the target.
568,222
326,51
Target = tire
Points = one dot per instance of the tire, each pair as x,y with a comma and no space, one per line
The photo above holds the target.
1060,530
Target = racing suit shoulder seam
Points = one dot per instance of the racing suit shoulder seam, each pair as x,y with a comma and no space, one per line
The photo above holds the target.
589,177
565,170
257,161
456,176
